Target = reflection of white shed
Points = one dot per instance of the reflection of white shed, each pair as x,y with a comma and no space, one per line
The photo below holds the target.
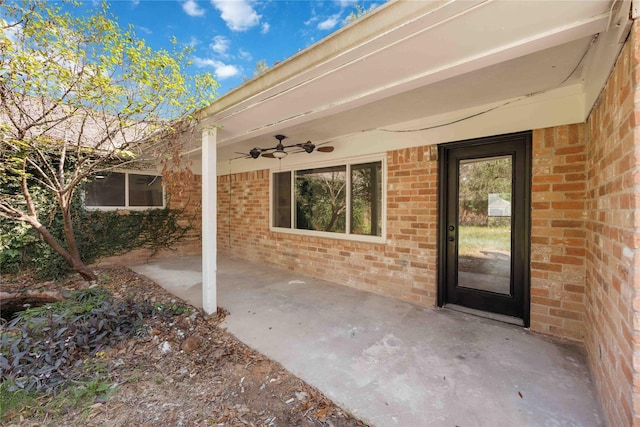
499,206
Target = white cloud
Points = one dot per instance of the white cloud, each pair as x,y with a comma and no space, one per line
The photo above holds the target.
144,30
239,15
220,45
194,41
265,28
243,54
330,22
221,70
134,3
191,8
346,3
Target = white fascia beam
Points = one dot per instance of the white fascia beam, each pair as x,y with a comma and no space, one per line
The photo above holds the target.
605,51
494,55
209,220
557,107
635,9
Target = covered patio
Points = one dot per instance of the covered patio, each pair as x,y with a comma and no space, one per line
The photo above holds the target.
400,105
390,362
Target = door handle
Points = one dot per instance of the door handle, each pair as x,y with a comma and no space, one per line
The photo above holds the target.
451,228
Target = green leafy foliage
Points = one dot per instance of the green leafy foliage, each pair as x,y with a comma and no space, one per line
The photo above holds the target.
321,199
42,348
81,95
52,356
99,234
15,400
173,309
479,179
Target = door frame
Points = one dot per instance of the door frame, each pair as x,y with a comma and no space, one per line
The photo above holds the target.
443,161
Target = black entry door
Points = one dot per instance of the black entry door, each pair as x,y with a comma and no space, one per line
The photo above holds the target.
484,224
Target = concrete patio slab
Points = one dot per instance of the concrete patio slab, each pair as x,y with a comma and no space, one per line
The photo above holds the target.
392,363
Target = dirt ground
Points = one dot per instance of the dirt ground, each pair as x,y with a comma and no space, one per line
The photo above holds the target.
187,371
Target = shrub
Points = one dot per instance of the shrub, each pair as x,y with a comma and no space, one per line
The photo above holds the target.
98,234
40,348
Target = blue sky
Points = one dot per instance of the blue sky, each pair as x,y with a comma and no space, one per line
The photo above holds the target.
231,36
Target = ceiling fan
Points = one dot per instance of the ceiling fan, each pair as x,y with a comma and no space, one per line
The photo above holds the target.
279,151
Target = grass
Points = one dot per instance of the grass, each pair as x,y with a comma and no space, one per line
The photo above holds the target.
63,376
15,401
81,396
174,309
78,302
473,238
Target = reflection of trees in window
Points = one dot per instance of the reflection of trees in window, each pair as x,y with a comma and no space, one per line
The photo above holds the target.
340,199
477,180
366,199
321,199
282,199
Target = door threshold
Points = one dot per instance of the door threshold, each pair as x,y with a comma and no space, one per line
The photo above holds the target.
487,315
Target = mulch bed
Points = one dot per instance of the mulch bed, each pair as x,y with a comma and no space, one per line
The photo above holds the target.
185,370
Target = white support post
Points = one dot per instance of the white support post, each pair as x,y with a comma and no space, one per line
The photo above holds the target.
209,214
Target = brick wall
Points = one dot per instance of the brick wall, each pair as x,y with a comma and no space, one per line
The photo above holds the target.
243,215
190,200
404,267
612,301
584,235
558,191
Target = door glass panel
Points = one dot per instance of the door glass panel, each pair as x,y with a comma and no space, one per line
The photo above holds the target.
484,224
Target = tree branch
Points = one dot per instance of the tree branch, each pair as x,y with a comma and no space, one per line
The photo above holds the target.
26,193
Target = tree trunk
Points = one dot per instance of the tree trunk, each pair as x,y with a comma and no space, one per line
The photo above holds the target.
334,217
75,262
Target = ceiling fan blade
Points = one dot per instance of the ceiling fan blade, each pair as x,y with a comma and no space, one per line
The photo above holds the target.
325,149
269,155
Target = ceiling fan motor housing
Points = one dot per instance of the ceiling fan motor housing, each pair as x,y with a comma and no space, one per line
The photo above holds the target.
308,147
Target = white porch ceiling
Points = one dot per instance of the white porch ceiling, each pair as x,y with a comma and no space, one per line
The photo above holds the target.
413,60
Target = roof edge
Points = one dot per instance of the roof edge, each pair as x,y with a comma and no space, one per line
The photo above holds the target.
380,20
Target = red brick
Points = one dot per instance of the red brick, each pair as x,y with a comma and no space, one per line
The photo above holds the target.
583,202
610,182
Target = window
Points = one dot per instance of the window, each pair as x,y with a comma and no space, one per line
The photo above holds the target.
321,199
125,190
282,200
344,199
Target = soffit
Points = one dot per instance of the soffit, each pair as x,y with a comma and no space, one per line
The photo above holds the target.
445,57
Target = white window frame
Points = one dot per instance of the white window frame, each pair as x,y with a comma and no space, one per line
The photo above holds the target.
328,234
126,206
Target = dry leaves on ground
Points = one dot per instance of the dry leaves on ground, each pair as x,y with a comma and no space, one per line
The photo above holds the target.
185,370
